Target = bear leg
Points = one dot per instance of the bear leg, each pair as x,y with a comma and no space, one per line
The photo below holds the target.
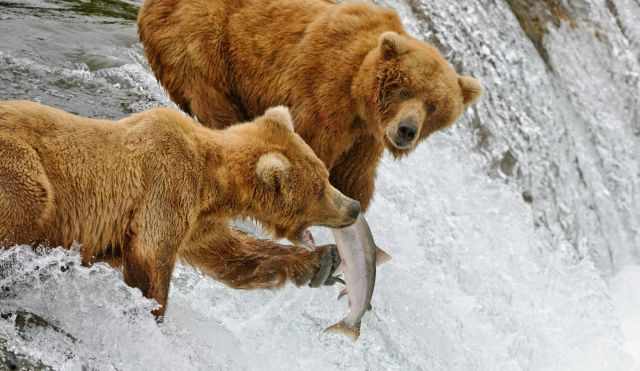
354,172
26,196
149,269
243,262
155,232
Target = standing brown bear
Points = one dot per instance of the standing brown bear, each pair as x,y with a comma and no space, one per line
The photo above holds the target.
355,81
156,186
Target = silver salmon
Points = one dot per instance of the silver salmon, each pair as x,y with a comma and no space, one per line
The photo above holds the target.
358,253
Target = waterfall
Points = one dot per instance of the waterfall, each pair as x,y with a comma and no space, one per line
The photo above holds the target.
515,234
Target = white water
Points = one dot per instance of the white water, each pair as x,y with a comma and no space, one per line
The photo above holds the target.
480,279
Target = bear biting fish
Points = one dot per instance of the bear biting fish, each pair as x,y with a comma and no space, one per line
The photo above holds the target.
155,187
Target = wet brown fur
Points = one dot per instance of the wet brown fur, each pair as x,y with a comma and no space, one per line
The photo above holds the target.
156,186
349,72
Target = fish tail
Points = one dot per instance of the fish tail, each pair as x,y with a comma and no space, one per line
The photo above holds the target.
342,328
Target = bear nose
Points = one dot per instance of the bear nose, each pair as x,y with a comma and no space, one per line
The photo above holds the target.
354,210
407,131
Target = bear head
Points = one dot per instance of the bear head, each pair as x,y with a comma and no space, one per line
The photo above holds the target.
415,91
291,189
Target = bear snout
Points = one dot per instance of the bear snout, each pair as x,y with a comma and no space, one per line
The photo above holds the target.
350,211
407,131
404,133
353,210
345,210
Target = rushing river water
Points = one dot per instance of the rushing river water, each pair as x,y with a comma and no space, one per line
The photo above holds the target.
515,234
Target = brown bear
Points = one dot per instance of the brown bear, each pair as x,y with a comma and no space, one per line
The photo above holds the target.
355,81
157,186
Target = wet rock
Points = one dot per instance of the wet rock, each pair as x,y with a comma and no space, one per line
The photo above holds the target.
104,8
535,16
9,360
508,163
26,321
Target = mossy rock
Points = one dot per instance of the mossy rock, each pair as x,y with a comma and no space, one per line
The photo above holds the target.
10,360
104,8
24,322
535,16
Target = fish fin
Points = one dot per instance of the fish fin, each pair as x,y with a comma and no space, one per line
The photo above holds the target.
342,328
381,256
342,293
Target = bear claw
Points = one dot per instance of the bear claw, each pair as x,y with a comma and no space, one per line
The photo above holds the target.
329,262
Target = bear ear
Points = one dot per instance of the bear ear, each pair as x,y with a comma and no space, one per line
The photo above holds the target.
471,89
279,115
392,45
272,169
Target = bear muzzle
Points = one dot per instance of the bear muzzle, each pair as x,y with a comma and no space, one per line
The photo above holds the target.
345,210
403,135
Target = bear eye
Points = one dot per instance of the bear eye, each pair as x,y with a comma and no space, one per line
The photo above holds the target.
277,186
431,108
404,94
